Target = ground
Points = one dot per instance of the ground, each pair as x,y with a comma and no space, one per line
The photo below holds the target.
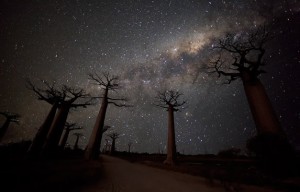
147,173
122,176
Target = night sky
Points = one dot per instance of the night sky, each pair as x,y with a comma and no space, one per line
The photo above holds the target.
152,45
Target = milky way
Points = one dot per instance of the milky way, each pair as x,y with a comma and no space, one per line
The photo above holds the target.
152,45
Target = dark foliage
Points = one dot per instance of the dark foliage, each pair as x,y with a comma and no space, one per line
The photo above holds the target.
14,150
274,154
48,176
232,152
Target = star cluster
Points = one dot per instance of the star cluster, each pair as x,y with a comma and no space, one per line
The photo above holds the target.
152,45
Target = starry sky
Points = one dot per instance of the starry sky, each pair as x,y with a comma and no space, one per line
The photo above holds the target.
151,45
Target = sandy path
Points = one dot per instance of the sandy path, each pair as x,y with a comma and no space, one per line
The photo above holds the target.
123,176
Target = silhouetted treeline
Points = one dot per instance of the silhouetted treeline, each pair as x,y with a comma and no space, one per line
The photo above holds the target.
14,150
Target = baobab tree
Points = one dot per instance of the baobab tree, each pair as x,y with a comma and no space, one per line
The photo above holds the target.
107,146
114,136
107,83
169,100
53,96
10,118
78,135
68,128
70,95
240,56
129,146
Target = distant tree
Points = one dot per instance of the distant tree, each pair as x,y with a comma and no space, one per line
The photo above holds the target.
129,146
10,118
232,152
78,135
108,83
170,100
107,146
68,128
114,136
240,56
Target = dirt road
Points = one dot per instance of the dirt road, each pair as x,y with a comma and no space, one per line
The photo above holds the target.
123,176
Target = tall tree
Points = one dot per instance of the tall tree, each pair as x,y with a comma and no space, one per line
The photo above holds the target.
78,135
169,100
10,118
107,146
114,136
107,83
129,146
53,96
240,56
68,128
70,95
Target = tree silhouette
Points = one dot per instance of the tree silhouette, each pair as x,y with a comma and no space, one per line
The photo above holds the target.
107,83
53,96
113,137
107,146
68,128
69,96
10,118
240,56
78,135
129,146
170,100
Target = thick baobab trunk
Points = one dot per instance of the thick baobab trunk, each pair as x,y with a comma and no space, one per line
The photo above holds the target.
113,147
92,150
171,148
41,136
4,128
56,129
65,138
262,111
76,142
271,146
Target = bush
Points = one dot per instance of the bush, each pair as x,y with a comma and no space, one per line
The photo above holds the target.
273,152
232,152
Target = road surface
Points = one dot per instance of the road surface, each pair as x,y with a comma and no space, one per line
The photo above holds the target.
123,176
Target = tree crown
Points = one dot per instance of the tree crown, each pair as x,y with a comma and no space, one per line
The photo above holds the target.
169,99
109,82
64,95
238,53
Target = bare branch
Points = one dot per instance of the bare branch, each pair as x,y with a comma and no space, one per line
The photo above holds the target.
169,99
113,135
244,53
119,104
72,126
50,94
117,99
161,106
106,81
12,117
71,94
